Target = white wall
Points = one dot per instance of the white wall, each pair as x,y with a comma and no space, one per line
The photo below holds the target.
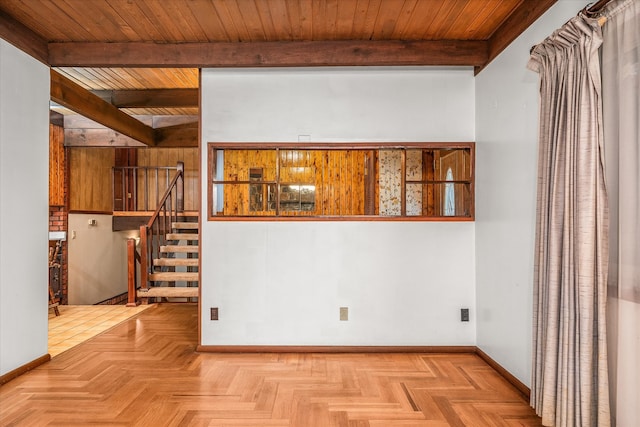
24,198
97,259
506,170
282,283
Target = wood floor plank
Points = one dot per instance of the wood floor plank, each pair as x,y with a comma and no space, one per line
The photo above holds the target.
145,371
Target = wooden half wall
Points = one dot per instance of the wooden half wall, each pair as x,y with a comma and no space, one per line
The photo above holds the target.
170,157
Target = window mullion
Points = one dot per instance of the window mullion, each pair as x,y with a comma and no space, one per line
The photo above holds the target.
403,182
277,182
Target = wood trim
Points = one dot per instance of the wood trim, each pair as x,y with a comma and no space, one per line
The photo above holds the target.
24,368
150,98
270,54
344,218
149,213
525,15
519,385
332,349
403,183
337,145
73,96
201,174
23,38
211,172
472,188
90,212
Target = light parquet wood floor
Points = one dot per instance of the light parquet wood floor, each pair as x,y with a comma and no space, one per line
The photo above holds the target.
145,372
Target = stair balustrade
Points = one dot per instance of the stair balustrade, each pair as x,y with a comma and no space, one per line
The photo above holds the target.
153,233
155,237
135,187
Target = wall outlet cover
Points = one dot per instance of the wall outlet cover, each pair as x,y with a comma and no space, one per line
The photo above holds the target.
464,314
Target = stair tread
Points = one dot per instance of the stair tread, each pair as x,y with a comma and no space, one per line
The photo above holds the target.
179,248
174,276
184,225
182,236
168,292
189,262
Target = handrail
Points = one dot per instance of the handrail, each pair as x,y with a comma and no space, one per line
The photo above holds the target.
153,233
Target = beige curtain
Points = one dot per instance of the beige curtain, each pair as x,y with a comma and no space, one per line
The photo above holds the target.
621,115
569,378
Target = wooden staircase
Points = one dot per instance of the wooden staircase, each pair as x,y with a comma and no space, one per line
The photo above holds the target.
175,272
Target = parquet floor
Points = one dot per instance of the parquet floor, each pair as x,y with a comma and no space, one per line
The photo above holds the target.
145,372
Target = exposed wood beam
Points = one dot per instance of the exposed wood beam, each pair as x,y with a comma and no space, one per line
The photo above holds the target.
150,98
270,54
81,122
23,38
56,118
512,27
82,132
76,98
185,135
103,137
173,136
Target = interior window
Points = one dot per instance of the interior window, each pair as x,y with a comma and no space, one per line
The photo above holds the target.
419,181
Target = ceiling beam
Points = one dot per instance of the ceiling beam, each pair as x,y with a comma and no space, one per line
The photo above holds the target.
270,54
525,15
150,98
103,137
56,118
168,131
23,38
171,136
74,97
184,135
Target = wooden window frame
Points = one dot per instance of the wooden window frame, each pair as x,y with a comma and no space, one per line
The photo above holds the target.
212,147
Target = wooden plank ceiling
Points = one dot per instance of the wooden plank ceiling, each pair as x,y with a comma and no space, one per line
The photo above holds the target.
113,46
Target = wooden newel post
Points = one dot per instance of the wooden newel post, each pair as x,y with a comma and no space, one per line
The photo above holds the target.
144,252
180,188
131,273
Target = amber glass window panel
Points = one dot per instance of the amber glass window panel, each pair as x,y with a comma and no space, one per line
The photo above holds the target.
385,182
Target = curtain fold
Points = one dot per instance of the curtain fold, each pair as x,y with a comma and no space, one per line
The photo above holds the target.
569,376
621,116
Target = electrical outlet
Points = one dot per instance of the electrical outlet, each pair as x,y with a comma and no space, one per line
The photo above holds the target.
464,314
214,313
344,313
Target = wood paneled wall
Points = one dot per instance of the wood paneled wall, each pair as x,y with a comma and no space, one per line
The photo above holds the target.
91,176
56,165
169,157
340,182
90,181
